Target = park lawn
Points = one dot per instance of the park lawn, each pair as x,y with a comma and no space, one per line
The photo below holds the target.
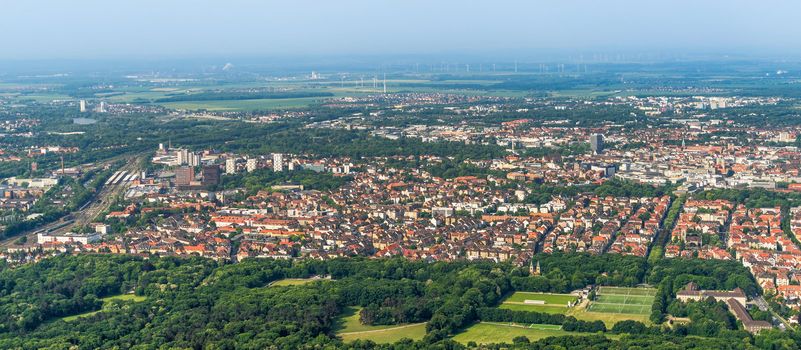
348,322
414,331
548,298
106,300
581,312
350,328
608,318
490,332
75,317
549,309
293,282
620,308
125,297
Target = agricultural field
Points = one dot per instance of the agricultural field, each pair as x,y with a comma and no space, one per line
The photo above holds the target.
244,105
492,332
539,302
623,300
350,329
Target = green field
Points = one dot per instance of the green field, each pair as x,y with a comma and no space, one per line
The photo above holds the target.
627,291
623,300
491,332
608,318
620,308
390,335
554,303
293,282
548,309
106,301
548,298
245,105
350,328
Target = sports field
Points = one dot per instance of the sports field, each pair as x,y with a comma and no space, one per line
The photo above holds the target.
623,300
539,302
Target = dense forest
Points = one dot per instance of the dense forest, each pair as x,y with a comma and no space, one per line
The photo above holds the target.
202,304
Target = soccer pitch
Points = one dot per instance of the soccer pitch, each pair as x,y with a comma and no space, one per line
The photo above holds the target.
539,302
623,300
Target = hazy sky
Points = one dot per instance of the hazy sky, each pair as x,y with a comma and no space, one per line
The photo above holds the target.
52,29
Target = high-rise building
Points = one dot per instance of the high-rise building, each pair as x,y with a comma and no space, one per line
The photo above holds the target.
251,165
184,176
211,175
194,159
278,162
597,143
83,106
230,166
183,156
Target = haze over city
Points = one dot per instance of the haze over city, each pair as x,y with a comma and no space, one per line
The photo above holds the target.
157,29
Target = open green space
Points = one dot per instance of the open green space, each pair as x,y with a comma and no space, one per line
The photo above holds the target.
551,303
350,328
548,298
620,308
608,318
349,322
548,309
293,282
106,301
389,335
491,332
244,105
627,291
623,300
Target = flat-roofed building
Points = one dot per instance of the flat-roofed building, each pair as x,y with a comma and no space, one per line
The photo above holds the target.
69,237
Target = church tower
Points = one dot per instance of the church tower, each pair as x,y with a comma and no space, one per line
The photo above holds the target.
534,269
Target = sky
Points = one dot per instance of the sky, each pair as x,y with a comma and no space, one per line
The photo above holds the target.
76,29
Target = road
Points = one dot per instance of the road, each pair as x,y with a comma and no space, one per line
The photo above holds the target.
763,305
99,203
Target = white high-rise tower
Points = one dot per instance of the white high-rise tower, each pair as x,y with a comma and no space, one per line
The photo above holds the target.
278,162
230,166
251,165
